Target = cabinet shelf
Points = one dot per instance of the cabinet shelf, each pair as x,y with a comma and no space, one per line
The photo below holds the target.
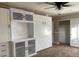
23,39
23,21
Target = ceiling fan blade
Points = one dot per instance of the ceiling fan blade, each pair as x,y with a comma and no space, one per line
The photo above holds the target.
50,3
64,2
66,5
49,7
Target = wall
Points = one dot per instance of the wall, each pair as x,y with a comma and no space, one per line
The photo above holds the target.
56,30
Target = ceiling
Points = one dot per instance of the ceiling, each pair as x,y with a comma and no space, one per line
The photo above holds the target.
39,7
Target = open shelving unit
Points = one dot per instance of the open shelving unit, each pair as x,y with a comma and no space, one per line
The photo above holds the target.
22,30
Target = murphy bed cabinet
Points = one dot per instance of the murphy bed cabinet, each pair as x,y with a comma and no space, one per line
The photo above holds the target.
43,32
22,28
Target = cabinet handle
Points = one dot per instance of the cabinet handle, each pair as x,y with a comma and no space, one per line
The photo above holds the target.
3,50
4,56
3,45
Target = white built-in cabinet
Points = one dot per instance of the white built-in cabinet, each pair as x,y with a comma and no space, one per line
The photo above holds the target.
21,24
25,33
37,28
4,32
22,30
43,32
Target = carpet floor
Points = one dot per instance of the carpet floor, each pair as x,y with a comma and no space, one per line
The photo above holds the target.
59,51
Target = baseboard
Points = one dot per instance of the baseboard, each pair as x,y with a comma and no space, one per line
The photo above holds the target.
32,54
44,49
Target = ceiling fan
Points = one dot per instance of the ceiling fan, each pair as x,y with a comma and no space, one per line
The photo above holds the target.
58,5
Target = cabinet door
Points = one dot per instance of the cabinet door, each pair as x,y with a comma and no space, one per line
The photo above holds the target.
20,49
31,47
4,22
28,17
16,14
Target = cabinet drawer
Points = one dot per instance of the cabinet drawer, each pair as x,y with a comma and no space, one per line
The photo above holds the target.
6,48
3,50
4,53
4,44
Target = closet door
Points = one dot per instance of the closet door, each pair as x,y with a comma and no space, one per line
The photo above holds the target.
4,22
74,32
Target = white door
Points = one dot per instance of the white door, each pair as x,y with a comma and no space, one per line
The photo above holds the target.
74,32
42,32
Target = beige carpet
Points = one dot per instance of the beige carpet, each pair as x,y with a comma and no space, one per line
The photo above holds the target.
59,51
